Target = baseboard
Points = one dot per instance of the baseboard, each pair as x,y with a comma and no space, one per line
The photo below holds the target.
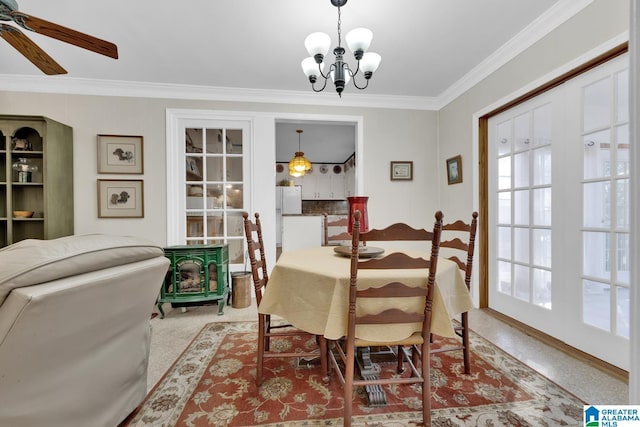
599,364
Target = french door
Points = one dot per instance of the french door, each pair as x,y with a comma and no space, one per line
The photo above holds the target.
559,212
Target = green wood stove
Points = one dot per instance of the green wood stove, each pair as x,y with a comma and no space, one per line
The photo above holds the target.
197,273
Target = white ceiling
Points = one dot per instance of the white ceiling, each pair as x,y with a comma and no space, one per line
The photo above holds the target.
429,48
426,45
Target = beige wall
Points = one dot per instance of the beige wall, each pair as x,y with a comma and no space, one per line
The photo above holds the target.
426,137
598,23
388,135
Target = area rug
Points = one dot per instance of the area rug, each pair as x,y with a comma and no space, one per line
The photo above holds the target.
213,384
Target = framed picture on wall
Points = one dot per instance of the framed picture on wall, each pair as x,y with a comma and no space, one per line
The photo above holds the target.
120,154
454,170
401,171
120,198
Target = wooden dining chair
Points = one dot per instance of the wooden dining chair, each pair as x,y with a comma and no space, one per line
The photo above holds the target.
334,238
342,353
460,243
268,331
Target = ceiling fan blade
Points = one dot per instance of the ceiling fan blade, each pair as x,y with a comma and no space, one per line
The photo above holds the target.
30,50
65,34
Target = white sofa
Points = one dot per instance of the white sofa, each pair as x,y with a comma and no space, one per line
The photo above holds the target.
74,329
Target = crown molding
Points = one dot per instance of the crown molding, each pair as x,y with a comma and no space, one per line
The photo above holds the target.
545,23
536,30
78,86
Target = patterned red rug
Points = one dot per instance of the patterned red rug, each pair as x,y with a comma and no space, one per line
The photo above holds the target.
213,384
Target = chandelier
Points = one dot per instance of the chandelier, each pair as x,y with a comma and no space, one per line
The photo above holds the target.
358,40
299,165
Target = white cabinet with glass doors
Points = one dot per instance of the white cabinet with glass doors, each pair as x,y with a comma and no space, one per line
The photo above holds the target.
214,185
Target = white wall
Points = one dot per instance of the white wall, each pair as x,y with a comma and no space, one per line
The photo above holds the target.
388,135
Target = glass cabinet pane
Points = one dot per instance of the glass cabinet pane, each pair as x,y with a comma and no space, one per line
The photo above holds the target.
215,224
234,141
235,196
234,168
193,168
214,141
214,169
193,140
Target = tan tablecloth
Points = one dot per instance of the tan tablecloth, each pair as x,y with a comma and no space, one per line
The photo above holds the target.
310,289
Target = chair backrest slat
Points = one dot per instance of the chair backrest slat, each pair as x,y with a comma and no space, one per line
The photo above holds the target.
467,248
342,222
394,260
390,292
255,249
390,317
395,232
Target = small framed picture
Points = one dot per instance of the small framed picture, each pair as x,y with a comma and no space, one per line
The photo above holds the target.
454,170
120,198
120,154
401,171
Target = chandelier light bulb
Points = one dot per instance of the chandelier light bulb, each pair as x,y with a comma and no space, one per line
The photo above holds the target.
310,68
370,63
359,40
317,44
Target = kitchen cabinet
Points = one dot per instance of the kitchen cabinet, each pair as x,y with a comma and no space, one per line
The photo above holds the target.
36,196
350,182
319,186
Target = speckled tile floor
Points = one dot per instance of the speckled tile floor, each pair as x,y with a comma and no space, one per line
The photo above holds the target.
172,334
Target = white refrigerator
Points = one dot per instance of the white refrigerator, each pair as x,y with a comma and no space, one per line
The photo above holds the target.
288,201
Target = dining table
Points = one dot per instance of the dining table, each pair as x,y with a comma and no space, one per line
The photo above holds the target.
310,289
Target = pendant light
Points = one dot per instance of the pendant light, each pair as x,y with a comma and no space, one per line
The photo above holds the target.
299,164
340,72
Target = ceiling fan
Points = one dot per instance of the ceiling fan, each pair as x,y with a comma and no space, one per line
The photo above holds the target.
23,44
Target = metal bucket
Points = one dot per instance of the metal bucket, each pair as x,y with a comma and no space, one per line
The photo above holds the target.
240,289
